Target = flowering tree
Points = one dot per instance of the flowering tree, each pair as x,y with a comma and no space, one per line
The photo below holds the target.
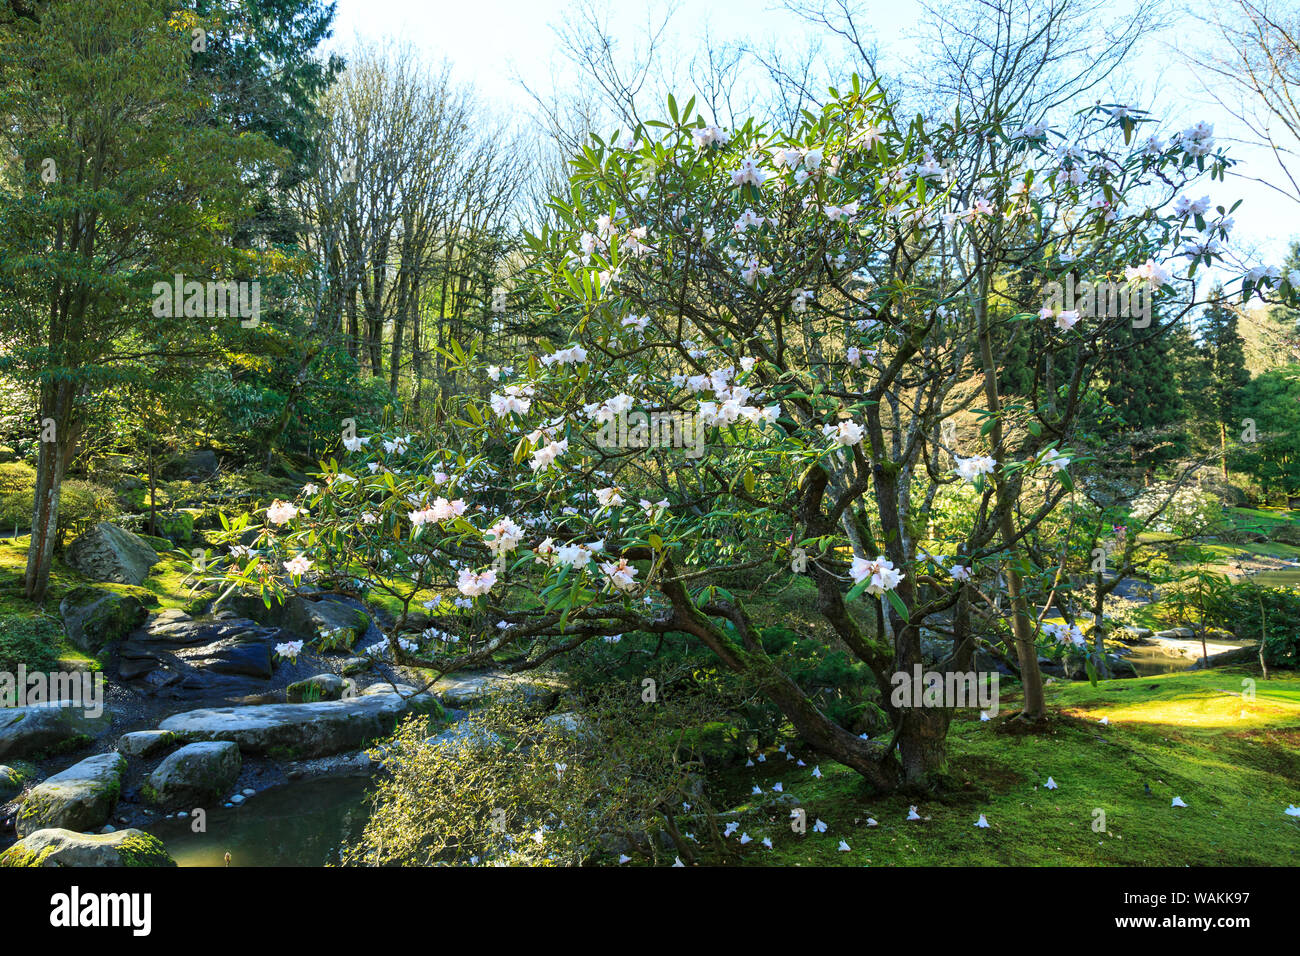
773,335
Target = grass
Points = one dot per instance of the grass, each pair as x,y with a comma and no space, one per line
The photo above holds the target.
1235,762
164,588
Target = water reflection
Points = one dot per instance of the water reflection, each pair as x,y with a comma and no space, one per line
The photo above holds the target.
297,824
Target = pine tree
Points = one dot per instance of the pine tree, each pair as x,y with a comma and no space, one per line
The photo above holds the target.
1224,353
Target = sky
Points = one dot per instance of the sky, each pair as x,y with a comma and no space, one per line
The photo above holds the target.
496,44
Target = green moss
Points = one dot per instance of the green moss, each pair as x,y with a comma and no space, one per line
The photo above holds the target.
144,849
1182,734
284,753
65,746
17,856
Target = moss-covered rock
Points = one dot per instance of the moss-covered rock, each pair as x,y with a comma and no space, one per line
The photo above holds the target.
145,743
80,798
95,617
195,775
59,847
320,687
15,776
42,729
177,527
716,742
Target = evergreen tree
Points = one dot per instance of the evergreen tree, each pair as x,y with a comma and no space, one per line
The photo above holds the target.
1225,362
111,185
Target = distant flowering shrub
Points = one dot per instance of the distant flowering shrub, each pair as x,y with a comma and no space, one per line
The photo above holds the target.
1189,512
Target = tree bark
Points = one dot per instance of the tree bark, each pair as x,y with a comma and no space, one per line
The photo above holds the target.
51,463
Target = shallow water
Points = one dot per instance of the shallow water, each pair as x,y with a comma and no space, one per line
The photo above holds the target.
1151,659
1278,578
297,824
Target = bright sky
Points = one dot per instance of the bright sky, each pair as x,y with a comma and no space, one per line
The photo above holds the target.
494,43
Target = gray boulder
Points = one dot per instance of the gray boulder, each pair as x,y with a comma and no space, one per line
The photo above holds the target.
572,725
194,775
295,731
94,617
13,779
337,617
59,847
466,734
466,690
320,687
1238,655
196,465
109,553
144,743
80,798
29,731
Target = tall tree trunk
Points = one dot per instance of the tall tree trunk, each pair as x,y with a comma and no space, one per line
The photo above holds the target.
153,494
51,464
354,326
1026,653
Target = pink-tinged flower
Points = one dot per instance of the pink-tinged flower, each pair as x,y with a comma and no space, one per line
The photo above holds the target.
298,566
749,173
281,512
972,468
609,497
844,433
444,510
471,584
1067,319
710,136
884,576
1055,459
289,649
544,457
504,536
621,574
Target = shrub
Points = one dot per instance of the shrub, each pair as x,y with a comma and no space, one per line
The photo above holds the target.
82,504
31,641
515,790
1285,534
1190,512
1237,607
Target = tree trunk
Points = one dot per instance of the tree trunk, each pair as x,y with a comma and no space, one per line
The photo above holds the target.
51,463
153,495
1026,653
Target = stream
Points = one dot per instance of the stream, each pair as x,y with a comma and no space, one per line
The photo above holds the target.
295,824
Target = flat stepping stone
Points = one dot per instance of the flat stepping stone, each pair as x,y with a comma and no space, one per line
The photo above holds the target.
297,731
